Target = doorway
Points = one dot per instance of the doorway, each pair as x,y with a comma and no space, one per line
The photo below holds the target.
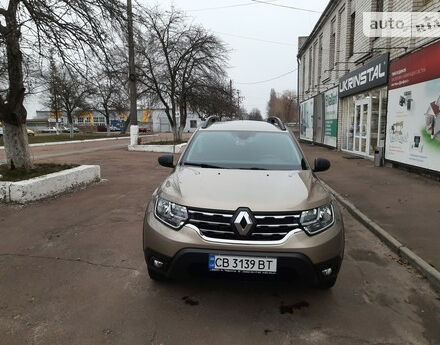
362,116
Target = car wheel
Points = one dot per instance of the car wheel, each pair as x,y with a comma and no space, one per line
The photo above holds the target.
156,276
327,283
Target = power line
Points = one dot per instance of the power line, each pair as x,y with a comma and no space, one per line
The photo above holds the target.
267,80
224,7
285,6
256,39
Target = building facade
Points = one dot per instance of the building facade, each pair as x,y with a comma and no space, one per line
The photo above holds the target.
344,84
162,124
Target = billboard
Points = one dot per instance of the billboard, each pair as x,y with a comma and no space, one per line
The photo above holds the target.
413,120
306,120
331,117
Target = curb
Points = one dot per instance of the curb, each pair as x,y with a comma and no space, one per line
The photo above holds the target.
405,253
82,141
49,185
158,148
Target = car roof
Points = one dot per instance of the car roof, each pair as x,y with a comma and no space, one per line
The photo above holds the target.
242,125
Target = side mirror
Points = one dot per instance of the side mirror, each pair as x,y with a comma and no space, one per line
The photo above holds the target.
166,161
321,164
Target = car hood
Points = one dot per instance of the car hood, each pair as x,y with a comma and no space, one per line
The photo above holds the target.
229,189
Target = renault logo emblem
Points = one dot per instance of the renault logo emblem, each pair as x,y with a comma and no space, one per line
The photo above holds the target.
243,222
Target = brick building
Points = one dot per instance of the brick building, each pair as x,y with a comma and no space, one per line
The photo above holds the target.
337,57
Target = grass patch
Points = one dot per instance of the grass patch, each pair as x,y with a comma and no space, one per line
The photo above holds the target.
431,142
165,142
39,139
39,170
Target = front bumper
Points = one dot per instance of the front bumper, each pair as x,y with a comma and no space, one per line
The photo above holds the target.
196,261
298,251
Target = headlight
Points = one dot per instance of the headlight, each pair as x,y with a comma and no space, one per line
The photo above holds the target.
317,219
170,213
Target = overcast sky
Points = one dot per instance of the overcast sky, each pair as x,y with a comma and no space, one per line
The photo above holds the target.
252,60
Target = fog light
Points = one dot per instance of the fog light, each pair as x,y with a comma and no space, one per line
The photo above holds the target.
157,263
326,272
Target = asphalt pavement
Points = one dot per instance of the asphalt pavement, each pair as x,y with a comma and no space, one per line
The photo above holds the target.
405,204
72,272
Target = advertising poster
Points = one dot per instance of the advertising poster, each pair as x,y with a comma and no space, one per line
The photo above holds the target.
413,123
331,117
306,120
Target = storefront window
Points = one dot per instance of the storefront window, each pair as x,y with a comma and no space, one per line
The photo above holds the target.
364,121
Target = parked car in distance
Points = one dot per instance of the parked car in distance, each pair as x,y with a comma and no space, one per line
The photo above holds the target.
144,129
30,132
242,199
49,130
115,129
65,129
103,128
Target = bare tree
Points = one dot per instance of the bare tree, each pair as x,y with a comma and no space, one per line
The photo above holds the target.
213,97
174,57
283,106
72,27
109,92
255,115
74,94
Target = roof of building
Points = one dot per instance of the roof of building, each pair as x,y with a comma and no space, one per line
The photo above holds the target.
243,125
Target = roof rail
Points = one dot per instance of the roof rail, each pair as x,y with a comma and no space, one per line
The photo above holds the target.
210,120
276,121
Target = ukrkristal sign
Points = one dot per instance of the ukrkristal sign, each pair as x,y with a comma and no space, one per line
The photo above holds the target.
413,123
374,73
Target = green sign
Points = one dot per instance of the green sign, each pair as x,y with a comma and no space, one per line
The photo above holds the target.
331,117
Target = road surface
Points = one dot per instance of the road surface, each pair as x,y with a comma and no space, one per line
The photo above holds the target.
72,272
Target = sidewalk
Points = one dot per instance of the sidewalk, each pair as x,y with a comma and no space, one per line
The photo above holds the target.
404,204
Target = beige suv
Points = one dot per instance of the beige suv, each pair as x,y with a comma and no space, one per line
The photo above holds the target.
242,199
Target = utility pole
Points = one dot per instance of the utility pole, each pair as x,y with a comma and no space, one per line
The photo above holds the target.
238,105
134,128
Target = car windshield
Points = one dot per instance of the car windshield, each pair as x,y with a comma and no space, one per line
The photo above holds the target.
243,150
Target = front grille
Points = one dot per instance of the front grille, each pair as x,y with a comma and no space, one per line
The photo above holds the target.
268,227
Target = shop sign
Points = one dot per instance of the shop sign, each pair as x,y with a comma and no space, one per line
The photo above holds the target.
413,119
331,117
371,75
306,120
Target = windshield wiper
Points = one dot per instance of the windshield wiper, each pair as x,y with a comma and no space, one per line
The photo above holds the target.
253,168
203,165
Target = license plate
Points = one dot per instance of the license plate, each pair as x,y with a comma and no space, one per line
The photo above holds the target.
242,264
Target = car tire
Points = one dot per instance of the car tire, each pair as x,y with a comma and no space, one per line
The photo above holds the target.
156,276
327,283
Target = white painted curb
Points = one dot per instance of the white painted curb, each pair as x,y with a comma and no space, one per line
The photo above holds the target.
404,252
84,141
49,185
157,148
